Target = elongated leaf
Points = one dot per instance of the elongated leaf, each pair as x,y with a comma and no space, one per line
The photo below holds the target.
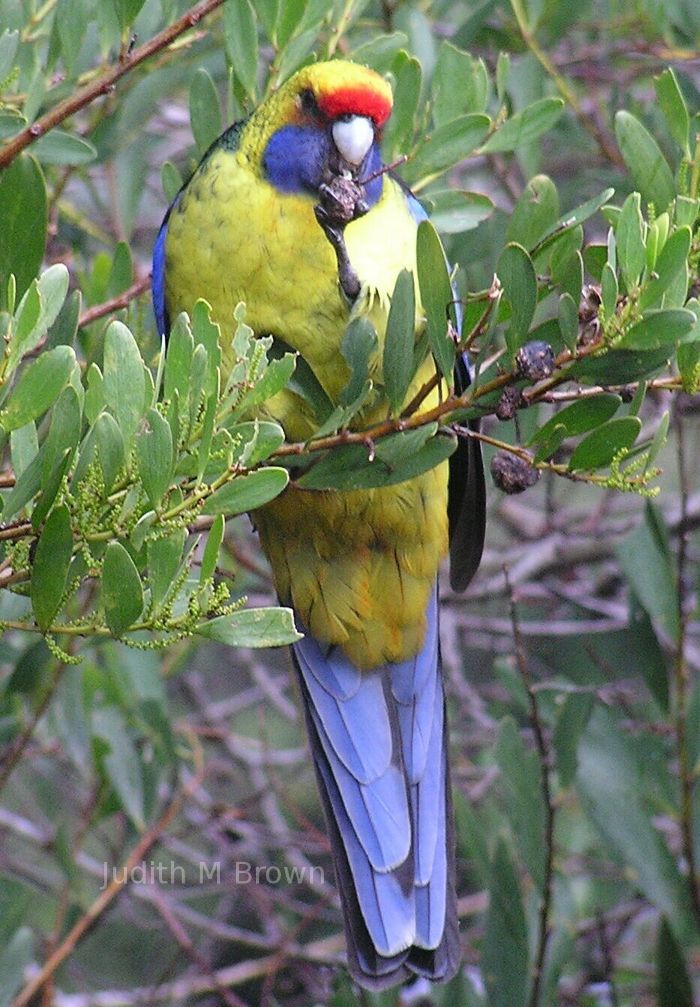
23,212
674,108
16,955
245,493
205,111
252,627
241,39
649,572
580,416
397,458
645,162
602,444
517,275
50,566
672,980
448,145
455,210
122,594
521,781
629,236
436,295
617,367
110,446
535,213
38,388
658,328
211,549
525,126
154,452
121,762
670,263
124,380
59,147
399,129
608,781
399,340
164,559
571,723
505,949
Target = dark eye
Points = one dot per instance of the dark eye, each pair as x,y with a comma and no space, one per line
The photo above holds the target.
308,101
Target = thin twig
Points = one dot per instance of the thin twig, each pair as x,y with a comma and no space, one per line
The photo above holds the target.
104,84
681,678
115,303
544,760
119,881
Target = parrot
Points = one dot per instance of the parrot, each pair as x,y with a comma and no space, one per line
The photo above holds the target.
293,212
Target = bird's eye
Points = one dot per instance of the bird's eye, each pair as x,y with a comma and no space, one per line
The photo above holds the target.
307,100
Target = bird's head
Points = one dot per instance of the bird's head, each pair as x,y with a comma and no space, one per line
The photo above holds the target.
324,112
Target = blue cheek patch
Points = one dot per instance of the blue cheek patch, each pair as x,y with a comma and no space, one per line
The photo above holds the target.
295,157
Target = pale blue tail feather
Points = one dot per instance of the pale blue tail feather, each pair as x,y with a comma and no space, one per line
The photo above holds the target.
378,739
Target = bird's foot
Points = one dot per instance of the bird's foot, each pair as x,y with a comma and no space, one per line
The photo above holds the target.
334,229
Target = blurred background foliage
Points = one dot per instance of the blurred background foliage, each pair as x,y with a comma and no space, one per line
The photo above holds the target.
572,662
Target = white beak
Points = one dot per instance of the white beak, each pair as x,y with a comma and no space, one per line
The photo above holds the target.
353,137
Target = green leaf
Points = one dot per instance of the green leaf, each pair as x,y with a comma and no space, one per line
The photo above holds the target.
178,361
459,84
399,340
455,210
602,444
629,236
673,984
618,367
252,627
154,454
16,956
674,108
670,263
121,763
171,180
23,212
210,557
447,146
398,458
124,380
517,275
50,567
164,559
574,218
609,782
571,722
61,148
64,432
505,953
245,493
9,41
205,111
646,164
437,296
658,328
521,781
609,290
398,133
579,417
260,437
110,447
525,126
38,387
127,11
568,319
241,40
358,346
122,594
535,214
647,566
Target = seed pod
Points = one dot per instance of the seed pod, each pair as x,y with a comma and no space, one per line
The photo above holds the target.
512,474
534,360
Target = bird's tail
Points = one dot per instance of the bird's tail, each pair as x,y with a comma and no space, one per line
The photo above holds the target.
379,743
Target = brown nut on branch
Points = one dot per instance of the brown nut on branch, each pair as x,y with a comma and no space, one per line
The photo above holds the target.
513,474
534,360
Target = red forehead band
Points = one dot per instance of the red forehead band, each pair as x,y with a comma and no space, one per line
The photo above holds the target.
356,101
